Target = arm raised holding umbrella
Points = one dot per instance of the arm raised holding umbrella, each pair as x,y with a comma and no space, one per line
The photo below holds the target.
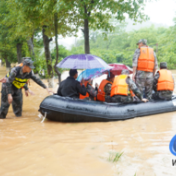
71,87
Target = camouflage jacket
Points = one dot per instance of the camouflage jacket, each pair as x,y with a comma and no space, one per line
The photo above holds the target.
92,92
107,88
133,87
19,74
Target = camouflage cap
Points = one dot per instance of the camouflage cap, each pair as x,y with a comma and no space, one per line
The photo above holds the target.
125,72
28,62
25,58
163,65
144,41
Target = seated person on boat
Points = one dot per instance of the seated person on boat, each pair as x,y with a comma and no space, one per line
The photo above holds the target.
124,89
163,83
70,87
91,92
104,89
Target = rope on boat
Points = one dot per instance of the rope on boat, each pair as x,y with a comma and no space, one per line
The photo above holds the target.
44,117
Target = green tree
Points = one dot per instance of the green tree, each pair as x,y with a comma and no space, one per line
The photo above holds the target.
11,19
57,21
6,44
96,14
119,45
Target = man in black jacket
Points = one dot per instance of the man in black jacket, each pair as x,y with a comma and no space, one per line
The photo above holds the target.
71,87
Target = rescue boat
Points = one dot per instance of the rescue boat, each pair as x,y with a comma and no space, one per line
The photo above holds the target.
65,109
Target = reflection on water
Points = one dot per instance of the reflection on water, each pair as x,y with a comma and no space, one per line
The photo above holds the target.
29,147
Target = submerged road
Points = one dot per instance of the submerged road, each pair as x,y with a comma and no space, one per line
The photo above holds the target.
29,147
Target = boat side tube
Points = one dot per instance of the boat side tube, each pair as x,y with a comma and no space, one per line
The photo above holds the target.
65,109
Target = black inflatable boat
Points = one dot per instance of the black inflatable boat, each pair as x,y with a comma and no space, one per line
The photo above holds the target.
64,109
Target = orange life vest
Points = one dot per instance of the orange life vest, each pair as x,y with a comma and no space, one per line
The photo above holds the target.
146,60
20,65
120,87
87,94
101,93
165,81
132,93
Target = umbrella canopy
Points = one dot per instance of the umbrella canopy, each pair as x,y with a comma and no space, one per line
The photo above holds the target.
92,73
117,68
82,61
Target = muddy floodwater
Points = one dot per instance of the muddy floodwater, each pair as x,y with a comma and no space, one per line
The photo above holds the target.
29,147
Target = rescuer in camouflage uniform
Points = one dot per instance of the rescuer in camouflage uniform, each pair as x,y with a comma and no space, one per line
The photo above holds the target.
129,98
107,87
165,94
12,87
110,78
143,79
92,92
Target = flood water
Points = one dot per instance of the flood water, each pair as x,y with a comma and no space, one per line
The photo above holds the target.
29,147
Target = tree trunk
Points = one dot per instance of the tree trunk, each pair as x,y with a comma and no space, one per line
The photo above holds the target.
8,65
19,49
31,46
46,42
57,48
86,33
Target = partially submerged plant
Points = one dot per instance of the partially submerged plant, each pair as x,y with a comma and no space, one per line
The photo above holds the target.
114,156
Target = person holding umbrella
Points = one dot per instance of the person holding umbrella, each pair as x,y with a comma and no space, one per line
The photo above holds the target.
124,89
70,87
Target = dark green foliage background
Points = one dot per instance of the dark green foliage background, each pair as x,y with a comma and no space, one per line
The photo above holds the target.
119,46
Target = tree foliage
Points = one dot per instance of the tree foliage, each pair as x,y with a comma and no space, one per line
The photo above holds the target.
96,14
119,46
25,20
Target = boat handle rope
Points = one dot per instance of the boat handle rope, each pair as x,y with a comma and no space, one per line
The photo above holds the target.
44,117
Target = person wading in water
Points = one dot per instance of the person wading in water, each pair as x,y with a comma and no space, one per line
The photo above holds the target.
12,85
